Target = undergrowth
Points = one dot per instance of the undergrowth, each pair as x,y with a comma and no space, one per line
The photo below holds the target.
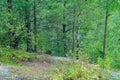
10,56
79,70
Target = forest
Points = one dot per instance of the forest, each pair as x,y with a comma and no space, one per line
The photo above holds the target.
59,39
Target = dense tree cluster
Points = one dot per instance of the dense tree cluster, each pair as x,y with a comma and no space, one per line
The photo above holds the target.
62,27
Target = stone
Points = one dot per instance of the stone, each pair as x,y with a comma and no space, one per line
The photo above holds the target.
4,71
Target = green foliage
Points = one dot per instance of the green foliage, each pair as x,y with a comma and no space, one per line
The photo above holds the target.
116,61
15,56
107,63
68,71
89,17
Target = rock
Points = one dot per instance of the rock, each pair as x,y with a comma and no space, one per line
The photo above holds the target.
115,75
113,78
4,71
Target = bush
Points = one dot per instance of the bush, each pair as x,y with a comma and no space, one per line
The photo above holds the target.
111,62
15,56
76,71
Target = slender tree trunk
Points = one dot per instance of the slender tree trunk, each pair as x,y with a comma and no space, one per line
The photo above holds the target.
57,37
28,26
64,37
105,35
57,43
73,31
64,31
78,39
16,41
9,4
11,33
78,43
35,28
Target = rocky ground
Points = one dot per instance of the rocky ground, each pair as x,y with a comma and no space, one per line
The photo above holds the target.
37,70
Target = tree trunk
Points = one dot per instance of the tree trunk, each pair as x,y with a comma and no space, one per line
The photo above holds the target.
57,43
64,37
105,35
35,28
11,33
64,31
14,40
78,43
73,31
28,26
57,37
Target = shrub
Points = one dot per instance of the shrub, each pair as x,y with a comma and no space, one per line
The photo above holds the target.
15,56
76,71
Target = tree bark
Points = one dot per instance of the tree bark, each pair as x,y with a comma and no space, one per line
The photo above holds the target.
57,43
105,35
14,40
11,33
64,31
57,37
28,26
78,43
35,28
73,30
9,5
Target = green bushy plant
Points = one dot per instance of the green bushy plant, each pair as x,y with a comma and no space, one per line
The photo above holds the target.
116,61
110,62
77,71
15,56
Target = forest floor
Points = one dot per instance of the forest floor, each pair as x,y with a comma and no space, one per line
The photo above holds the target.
28,70
39,69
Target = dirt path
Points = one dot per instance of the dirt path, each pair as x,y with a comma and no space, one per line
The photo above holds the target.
40,68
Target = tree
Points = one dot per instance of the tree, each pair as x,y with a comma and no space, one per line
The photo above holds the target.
14,26
64,28
35,28
108,8
73,27
11,29
28,26
105,34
